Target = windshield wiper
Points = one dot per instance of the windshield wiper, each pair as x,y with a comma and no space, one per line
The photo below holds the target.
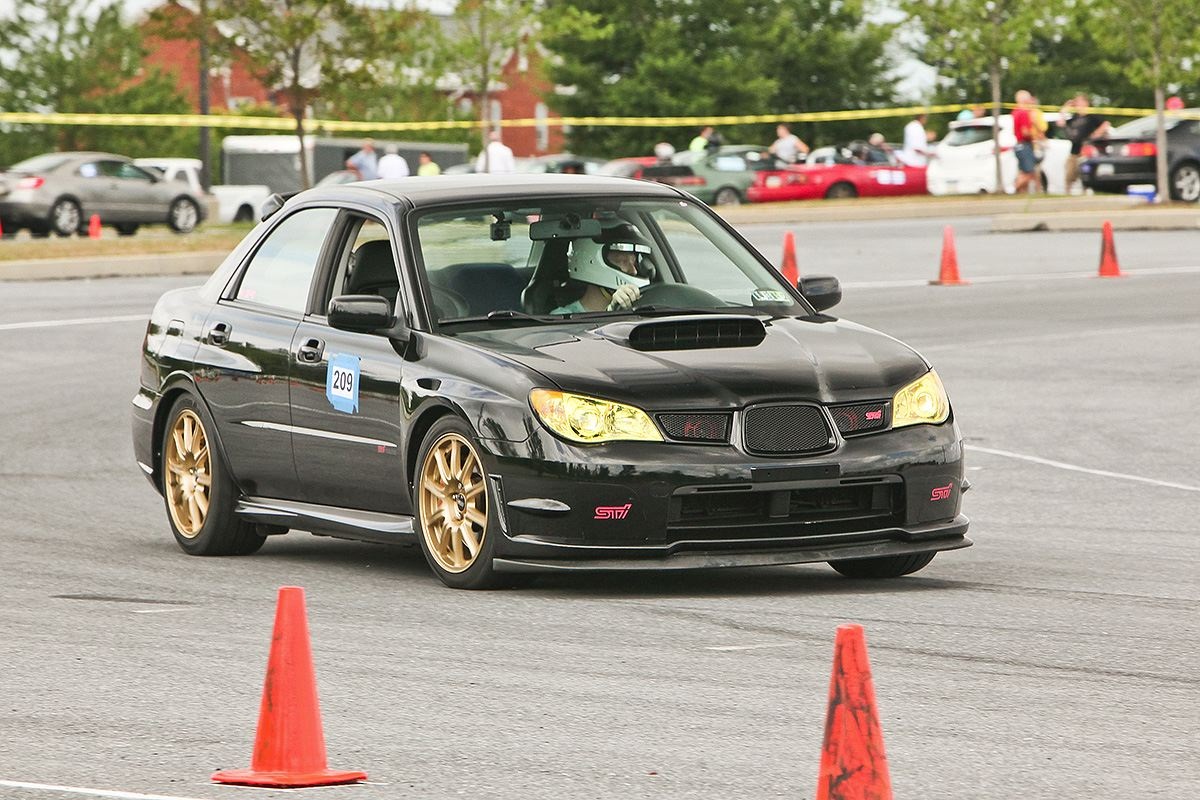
503,315
656,311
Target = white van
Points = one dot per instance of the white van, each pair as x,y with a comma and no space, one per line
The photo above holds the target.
963,160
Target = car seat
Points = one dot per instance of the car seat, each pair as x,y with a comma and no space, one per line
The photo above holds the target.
540,295
375,272
486,287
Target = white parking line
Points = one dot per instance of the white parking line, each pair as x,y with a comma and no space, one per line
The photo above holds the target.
90,792
729,648
1075,468
54,323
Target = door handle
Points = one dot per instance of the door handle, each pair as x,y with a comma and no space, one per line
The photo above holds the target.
310,352
218,334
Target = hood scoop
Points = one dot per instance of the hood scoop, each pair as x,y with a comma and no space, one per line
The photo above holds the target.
697,332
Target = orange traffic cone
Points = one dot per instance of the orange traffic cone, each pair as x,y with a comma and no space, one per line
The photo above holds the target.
788,268
853,765
1109,268
94,227
289,749
948,274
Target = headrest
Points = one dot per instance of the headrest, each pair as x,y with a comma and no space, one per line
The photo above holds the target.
373,266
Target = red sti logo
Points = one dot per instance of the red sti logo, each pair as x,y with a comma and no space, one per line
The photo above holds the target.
941,492
613,512
875,415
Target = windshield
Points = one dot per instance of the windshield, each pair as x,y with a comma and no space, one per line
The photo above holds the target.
968,134
541,261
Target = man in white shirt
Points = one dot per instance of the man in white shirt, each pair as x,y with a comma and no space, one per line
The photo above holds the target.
915,152
788,146
392,166
497,157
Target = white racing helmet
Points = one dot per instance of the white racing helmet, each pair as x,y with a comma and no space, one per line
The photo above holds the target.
590,261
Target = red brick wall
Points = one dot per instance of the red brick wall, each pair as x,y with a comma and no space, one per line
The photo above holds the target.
524,90
181,58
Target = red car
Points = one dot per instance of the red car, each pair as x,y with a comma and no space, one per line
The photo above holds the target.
832,172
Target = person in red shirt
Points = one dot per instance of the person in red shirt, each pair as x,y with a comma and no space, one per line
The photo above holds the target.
1027,134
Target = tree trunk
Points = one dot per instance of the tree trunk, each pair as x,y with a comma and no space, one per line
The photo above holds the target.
1163,192
996,110
205,155
297,109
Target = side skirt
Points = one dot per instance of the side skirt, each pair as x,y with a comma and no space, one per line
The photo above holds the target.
342,523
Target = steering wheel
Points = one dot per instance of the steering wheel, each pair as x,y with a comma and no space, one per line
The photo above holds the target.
678,294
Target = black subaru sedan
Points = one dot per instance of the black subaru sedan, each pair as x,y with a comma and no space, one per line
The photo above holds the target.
533,374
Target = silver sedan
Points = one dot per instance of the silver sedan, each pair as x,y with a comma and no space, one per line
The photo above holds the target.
59,192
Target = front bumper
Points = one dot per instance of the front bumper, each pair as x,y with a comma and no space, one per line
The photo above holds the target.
634,505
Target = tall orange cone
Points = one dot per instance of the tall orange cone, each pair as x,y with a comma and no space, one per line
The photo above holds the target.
853,765
788,268
1109,268
948,274
289,749
94,227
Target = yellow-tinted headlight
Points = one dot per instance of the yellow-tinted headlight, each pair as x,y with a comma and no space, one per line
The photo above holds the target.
588,419
922,401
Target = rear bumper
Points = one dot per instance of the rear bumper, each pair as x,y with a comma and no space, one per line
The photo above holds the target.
18,212
1116,174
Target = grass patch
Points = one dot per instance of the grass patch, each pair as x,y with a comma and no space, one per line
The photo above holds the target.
206,238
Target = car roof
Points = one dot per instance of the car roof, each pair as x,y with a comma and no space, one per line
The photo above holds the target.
436,190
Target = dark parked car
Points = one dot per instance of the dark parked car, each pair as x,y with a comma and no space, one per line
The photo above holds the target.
538,373
1126,156
59,192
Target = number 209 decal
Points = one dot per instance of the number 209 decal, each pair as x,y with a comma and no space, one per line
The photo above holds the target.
341,383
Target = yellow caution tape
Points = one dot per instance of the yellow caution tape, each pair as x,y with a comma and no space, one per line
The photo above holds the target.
315,126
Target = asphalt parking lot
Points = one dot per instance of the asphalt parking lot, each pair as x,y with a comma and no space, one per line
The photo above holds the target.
1054,659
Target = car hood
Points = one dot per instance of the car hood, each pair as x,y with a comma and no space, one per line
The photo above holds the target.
810,358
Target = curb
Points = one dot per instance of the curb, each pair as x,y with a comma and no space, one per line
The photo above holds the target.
1139,219
155,264
870,208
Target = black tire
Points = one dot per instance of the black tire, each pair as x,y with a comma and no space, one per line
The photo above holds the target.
727,196
840,191
127,229
1185,182
205,525
66,217
39,230
883,566
183,216
244,214
454,504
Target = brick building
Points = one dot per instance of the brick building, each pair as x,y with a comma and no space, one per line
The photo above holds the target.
519,92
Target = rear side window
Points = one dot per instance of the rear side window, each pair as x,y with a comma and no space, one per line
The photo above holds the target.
280,273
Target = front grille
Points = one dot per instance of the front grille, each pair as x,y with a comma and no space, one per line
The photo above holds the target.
696,427
786,430
737,514
860,418
698,334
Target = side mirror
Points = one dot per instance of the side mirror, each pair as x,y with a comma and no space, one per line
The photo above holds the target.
822,291
360,312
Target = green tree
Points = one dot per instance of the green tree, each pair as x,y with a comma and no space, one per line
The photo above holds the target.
979,40
79,56
305,48
709,58
1160,42
484,33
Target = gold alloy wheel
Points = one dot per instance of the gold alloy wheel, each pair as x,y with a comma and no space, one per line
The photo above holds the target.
188,474
453,503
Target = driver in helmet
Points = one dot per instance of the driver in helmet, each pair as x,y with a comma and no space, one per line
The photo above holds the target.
612,272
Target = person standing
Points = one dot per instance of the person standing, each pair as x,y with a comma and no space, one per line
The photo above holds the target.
1081,126
497,157
393,166
364,163
427,165
787,146
915,151
1026,132
700,143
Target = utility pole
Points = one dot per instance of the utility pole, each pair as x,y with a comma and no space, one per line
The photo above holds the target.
205,157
